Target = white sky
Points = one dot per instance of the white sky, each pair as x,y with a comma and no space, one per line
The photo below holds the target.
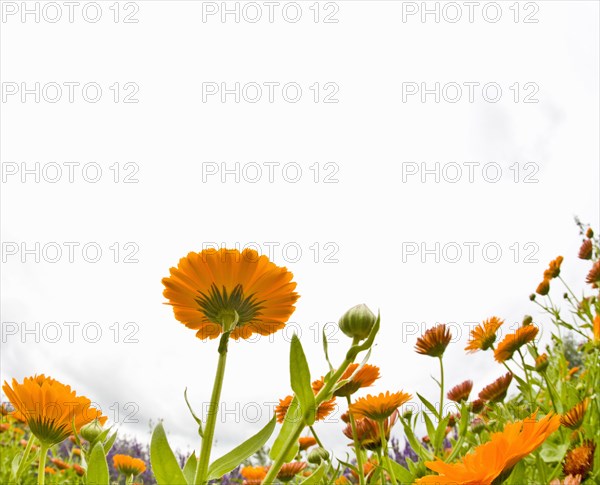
370,135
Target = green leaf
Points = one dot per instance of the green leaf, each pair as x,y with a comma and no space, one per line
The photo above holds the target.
164,464
440,433
300,380
14,467
109,442
429,406
401,473
196,418
430,428
292,417
189,470
230,460
552,453
97,471
315,477
326,349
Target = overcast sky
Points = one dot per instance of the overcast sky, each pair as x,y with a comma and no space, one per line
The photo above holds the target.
347,207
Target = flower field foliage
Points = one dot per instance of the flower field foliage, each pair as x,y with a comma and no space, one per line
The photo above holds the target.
537,423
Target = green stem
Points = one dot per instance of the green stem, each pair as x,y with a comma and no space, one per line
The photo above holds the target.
527,379
441,414
295,434
357,450
386,456
314,433
25,456
381,466
129,480
211,420
42,464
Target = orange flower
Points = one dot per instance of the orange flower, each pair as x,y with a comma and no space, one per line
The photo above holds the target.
554,268
574,417
597,328
290,470
477,406
378,407
50,471
483,336
580,460
365,376
61,465
543,288
460,392
514,341
496,391
497,457
254,474
434,341
368,433
541,362
586,249
4,427
50,408
127,465
593,277
79,469
207,289
324,409
306,442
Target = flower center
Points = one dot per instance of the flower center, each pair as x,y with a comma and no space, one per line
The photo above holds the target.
220,306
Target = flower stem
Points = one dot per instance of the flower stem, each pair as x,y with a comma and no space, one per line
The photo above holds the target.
211,420
386,456
357,450
42,464
25,456
531,400
441,389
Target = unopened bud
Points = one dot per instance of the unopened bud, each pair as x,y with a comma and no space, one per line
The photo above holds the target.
358,322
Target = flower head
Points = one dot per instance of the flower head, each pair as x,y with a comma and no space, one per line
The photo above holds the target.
49,407
290,470
79,469
434,341
208,289
543,288
586,249
593,277
358,322
306,442
324,409
379,407
580,460
61,465
554,268
514,341
597,328
128,465
541,363
368,432
573,418
483,336
365,376
496,391
253,474
497,457
460,392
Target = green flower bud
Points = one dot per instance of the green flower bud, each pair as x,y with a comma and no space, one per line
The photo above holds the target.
317,455
91,431
358,322
527,320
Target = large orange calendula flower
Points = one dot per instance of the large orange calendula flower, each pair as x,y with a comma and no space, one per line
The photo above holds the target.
50,408
497,457
379,407
514,341
253,474
207,289
365,376
496,391
127,465
434,341
484,335
580,460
